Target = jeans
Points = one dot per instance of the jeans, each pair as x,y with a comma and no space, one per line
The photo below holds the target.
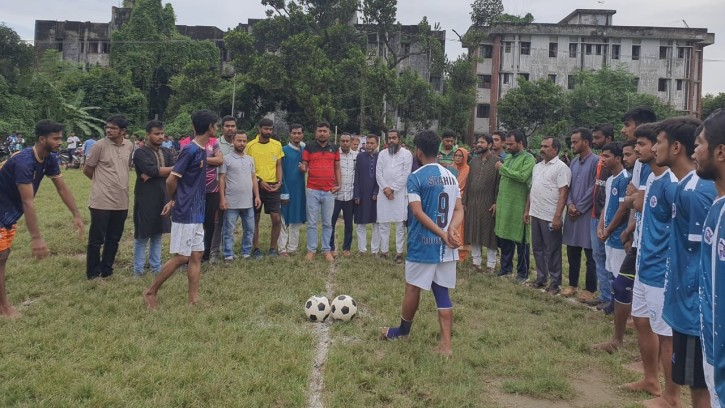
605,284
105,231
347,208
139,254
319,201
230,223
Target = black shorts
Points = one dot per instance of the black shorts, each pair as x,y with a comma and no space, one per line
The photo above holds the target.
629,264
687,360
271,201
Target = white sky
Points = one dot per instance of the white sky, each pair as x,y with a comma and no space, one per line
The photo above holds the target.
451,14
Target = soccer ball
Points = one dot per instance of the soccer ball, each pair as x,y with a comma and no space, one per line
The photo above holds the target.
317,308
344,308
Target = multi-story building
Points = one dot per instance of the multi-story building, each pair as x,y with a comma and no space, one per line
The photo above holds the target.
667,62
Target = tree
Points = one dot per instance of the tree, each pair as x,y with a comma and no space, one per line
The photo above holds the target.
459,96
532,105
484,12
712,102
16,57
417,102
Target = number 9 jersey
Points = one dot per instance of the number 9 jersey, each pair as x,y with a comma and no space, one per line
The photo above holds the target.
436,188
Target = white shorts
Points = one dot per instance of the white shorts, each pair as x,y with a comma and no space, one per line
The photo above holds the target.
423,275
710,380
614,260
647,301
187,238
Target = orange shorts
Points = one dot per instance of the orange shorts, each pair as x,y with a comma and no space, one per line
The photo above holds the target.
6,237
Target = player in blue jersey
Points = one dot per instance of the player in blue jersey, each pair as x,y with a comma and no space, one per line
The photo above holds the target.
692,200
20,178
710,161
653,334
434,214
186,186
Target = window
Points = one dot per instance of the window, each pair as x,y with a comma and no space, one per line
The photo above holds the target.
598,49
663,52
573,48
615,51
588,48
59,44
105,47
679,84
552,78
662,84
635,52
553,49
405,48
507,46
681,52
483,111
435,82
524,76
571,82
636,83
525,48
485,51
484,81
506,78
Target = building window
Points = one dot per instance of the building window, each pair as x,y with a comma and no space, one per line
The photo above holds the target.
635,52
662,84
552,78
59,44
679,84
524,76
636,83
599,49
435,82
507,46
506,79
553,49
615,51
573,48
483,111
484,81
588,48
485,51
663,52
681,52
525,48
571,82
405,48
105,47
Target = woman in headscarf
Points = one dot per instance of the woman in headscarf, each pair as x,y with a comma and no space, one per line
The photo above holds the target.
460,163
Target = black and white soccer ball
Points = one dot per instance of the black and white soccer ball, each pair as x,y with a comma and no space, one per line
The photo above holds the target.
344,308
317,308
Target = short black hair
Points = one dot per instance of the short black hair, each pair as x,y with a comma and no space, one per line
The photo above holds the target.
629,143
449,133
394,131
486,137
239,132
46,127
585,134
497,133
680,129
377,138
606,129
555,143
322,124
295,126
265,122
640,115
428,142
517,135
615,148
714,129
202,119
646,130
154,123
118,120
229,118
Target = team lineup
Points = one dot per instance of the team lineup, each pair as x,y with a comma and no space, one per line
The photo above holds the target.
647,213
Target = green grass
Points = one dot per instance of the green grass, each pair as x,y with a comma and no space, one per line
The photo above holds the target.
83,344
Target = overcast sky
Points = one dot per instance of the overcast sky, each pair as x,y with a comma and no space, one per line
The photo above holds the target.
451,14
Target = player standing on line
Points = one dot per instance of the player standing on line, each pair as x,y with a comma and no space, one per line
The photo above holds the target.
435,213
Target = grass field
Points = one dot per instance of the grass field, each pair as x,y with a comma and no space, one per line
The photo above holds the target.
85,344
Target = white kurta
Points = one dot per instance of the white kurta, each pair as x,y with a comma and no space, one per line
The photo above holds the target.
392,171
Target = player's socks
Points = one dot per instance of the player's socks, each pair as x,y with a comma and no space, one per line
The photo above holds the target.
402,330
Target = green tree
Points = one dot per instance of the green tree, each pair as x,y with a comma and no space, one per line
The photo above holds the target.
485,12
459,96
712,102
532,106
16,57
417,101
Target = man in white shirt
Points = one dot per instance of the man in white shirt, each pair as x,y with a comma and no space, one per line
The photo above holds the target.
393,167
544,208
72,144
344,198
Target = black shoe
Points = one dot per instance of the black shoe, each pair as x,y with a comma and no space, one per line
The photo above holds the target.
273,252
257,253
605,305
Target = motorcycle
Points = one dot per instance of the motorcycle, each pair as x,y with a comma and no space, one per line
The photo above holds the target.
75,160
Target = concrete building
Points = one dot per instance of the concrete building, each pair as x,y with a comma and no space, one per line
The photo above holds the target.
667,62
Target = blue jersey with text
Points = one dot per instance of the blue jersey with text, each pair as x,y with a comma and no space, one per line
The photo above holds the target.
190,197
616,189
692,200
436,189
656,224
644,171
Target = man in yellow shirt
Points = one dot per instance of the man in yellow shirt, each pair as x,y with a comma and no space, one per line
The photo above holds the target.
267,155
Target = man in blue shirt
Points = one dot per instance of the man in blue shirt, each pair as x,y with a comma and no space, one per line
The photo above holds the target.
692,200
434,214
709,154
20,178
187,190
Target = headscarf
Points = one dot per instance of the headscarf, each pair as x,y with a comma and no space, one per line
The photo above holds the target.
462,169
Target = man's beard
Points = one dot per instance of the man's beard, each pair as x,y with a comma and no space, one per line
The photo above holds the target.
393,148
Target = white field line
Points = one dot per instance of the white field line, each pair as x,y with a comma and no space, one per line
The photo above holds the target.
322,331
